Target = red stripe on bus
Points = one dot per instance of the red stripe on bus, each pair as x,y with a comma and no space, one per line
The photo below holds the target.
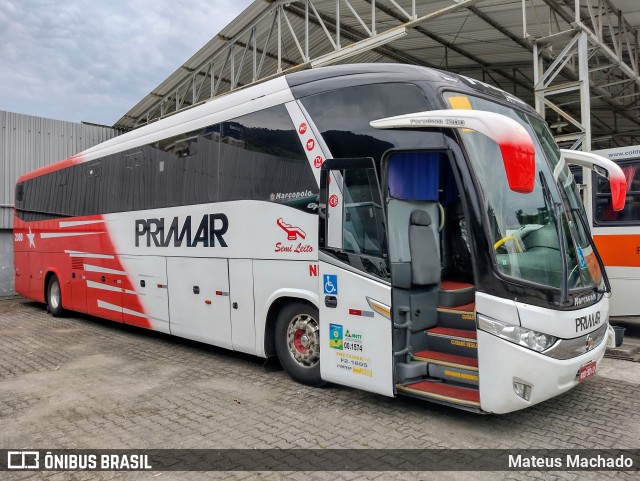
47,169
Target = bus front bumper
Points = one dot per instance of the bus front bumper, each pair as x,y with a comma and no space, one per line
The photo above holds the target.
503,363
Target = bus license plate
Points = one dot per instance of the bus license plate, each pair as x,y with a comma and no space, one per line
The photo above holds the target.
587,371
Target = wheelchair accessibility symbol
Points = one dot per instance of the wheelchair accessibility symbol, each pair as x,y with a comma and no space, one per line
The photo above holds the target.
330,284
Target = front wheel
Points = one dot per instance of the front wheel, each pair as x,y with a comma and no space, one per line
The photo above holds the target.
54,297
298,342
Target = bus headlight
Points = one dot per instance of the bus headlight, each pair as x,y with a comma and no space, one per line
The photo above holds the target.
534,340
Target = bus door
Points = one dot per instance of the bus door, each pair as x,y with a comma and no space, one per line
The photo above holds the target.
355,294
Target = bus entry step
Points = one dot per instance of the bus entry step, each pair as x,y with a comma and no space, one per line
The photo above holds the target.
452,341
443,392
459,317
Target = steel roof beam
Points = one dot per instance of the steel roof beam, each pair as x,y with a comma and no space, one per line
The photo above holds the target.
451,46
592,48
487,66
355,36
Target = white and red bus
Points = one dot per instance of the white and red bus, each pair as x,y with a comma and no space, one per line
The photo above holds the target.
387,227
617,233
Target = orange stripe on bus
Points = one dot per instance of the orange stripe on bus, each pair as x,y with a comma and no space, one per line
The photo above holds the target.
619,250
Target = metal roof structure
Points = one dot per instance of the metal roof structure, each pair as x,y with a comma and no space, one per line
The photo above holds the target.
577,61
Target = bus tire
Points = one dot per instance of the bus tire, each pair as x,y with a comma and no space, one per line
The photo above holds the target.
54,297
297,340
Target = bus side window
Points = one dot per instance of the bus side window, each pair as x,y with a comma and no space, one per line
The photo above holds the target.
353,229
343,115
58,197
603,210
91,191
363,224
261,158
19,193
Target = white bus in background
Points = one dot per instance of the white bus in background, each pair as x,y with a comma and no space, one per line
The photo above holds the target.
617,233
392,228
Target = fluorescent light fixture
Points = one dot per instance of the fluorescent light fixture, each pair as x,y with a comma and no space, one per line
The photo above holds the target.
359,47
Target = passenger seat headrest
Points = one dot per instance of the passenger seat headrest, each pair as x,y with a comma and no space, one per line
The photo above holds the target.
420,217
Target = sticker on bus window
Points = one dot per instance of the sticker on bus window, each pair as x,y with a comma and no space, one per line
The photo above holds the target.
460,102
583,263
335,336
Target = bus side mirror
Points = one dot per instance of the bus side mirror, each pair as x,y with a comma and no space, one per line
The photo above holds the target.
605,168
516,146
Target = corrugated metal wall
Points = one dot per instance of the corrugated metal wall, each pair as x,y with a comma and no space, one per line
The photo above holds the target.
27,143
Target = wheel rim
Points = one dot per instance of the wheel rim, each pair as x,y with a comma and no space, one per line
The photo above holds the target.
302,340
54,295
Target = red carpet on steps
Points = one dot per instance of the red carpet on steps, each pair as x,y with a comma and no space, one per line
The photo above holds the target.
446,390
467,307
451,358
444,331
454,286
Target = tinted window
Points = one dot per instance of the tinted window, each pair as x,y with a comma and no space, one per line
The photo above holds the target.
262,159
256,157
603,210
343,118
363,231
577,173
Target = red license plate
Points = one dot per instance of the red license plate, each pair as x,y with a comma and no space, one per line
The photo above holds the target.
587,370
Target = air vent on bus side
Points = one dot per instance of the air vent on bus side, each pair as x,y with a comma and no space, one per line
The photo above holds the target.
77,263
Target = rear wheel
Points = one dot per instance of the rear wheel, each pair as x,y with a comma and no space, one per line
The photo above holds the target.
54,297
298,342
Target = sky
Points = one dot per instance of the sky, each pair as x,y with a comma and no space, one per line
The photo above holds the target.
92,60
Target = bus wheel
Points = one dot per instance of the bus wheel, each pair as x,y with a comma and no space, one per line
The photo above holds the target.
298,342
54,297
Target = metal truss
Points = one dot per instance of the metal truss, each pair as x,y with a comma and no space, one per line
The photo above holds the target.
295,34
585,52
585,68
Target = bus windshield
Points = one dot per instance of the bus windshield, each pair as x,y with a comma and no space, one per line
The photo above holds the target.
532,234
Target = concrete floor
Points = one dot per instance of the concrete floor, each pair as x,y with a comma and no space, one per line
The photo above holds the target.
80,382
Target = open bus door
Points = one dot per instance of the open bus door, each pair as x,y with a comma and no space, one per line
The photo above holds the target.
356,329
355,294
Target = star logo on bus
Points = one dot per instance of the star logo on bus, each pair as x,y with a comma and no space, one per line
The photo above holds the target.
31,237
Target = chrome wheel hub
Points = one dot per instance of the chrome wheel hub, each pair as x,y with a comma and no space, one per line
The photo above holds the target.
302,340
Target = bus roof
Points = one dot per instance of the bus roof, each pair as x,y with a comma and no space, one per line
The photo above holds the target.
313,81
277,90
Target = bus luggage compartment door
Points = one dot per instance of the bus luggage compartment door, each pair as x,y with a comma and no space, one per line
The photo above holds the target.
145,298
199,306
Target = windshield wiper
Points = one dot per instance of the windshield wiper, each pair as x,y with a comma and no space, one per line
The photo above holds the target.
557,217
607,284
